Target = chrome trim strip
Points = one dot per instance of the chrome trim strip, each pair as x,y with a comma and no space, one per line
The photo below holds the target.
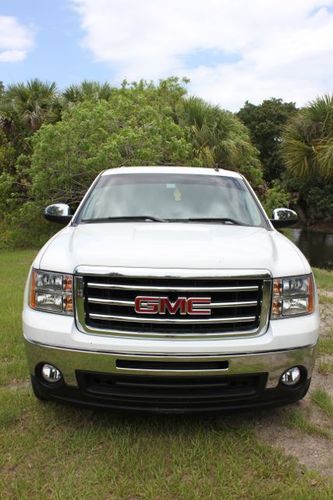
210,356
174,335
271,362
110,286
111,302
212,305
218,305
171,321
142,272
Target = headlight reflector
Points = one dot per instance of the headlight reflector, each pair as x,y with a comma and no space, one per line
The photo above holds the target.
51,292
292,296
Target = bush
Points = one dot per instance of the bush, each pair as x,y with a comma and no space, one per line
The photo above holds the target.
138,124
276,197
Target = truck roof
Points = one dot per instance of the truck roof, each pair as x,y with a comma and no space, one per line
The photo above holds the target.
171,170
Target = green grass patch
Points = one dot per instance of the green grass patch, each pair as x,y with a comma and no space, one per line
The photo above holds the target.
323,400
325,368
324,278
62,452
325,345
296,419
325,299
14,266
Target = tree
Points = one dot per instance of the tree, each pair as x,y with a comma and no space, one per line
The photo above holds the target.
265,123
307,150
94,136
87,90
307,147
53,154
29,105
220,139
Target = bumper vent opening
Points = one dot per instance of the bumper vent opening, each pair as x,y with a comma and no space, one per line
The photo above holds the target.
170,365
170,392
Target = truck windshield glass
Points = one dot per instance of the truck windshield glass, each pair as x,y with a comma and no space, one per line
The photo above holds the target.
171,197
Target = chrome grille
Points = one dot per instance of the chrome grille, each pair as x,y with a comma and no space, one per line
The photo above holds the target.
105,302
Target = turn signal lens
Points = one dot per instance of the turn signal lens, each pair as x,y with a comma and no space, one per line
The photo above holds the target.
292,296
51,292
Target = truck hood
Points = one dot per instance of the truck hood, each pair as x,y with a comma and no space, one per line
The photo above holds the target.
171,245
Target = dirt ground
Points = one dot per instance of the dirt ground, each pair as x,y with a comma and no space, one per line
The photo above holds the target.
313,450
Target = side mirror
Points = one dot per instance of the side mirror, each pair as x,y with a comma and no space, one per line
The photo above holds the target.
59,212
284,217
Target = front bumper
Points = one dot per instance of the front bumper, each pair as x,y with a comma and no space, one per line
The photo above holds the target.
170,383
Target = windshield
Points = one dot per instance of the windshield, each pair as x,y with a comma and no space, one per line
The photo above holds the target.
171,197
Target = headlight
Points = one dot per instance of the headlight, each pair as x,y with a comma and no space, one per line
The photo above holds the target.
292,296
51,292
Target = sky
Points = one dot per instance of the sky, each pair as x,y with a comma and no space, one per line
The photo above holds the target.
231,50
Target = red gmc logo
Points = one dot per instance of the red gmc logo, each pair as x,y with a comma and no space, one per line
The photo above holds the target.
183,305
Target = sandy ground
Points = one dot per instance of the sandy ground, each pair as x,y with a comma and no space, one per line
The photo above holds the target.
312,450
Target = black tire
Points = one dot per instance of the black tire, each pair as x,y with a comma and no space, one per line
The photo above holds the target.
36,389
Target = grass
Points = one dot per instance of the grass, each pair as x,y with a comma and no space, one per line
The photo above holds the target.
325,344
325,368
296,419
322,399
62,452
325,299
14,267
59,452
324,279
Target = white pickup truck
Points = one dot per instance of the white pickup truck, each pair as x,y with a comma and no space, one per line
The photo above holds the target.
170,291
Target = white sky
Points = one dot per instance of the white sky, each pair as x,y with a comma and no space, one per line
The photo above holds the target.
15,39
232,50
253,49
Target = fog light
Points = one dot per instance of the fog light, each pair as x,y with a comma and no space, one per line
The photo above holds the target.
291,376
50,373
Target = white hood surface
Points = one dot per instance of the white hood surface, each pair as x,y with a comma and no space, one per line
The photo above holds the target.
171,245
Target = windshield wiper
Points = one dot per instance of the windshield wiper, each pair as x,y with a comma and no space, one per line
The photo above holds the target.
218,220
127,218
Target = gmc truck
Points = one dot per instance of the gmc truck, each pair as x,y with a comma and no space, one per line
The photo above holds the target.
170,290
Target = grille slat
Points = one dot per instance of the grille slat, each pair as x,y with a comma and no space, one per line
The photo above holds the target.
174,321
237,305
131,303
146,288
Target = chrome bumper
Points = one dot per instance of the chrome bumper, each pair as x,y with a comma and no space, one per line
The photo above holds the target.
273,363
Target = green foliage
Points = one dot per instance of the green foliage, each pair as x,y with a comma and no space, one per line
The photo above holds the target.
313,195
276,197
307,146
87,90
7,154
220,139
265,122
29,104
126,130
52,144
320,202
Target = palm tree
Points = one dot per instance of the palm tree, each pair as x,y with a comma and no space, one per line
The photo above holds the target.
307,143
220,139
30,104
87,90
